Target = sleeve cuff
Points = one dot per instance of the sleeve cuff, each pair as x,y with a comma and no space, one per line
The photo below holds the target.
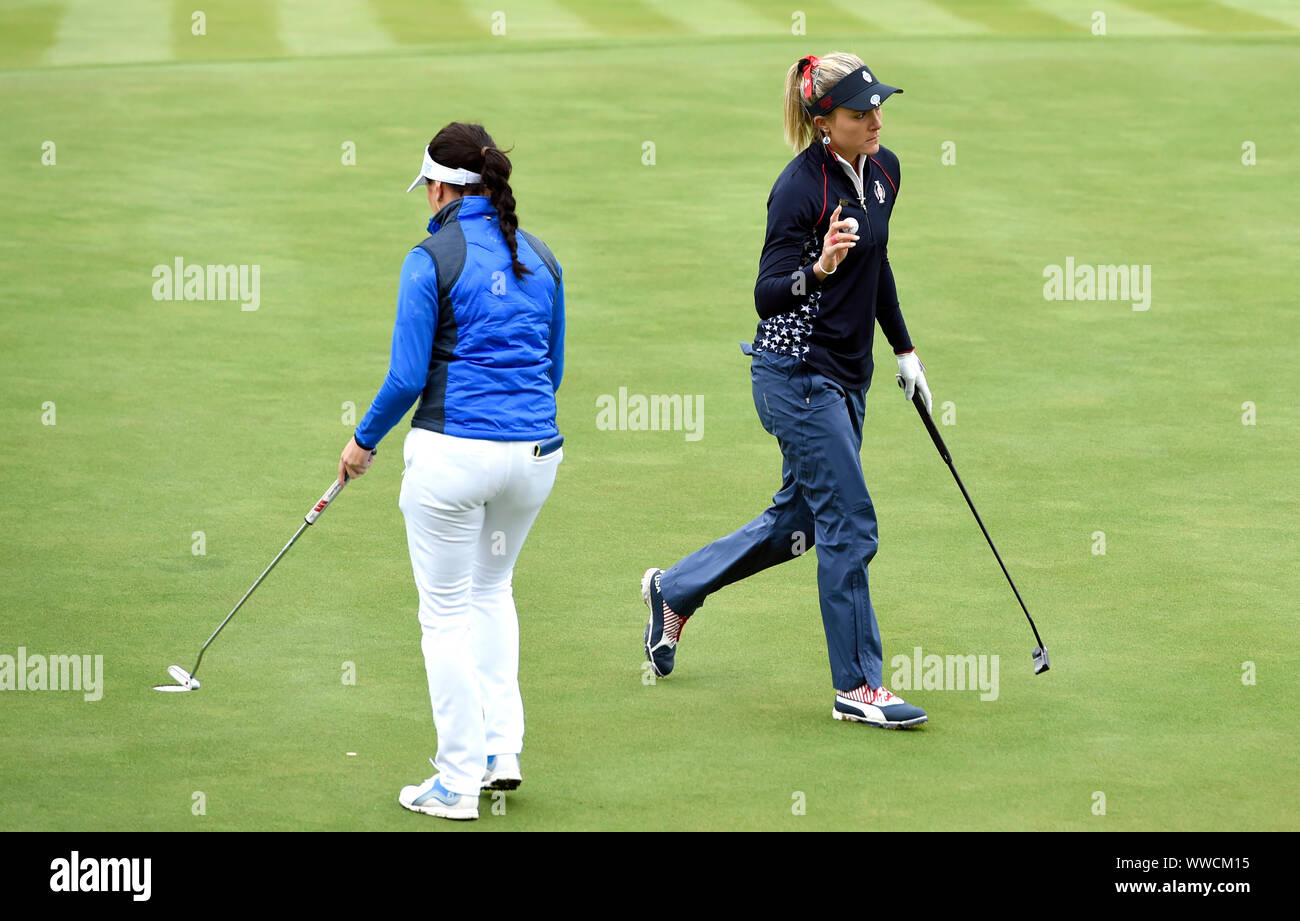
360,444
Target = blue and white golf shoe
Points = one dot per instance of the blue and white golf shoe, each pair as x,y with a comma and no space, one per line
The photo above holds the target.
664,627
876,708
432,798
502,773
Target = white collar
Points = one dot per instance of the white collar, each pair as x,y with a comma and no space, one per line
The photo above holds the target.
858,175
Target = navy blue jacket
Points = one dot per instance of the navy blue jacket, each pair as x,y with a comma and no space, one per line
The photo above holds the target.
482,349
829,323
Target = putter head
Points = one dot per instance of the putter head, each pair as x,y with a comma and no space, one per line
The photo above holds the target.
1041,662
184,680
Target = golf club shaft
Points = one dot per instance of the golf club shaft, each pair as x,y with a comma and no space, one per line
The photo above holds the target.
919,403
195,669
308,521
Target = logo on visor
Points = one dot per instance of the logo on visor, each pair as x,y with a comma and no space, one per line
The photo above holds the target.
866,76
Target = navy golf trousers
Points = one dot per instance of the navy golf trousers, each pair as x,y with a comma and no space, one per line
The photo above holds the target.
823,501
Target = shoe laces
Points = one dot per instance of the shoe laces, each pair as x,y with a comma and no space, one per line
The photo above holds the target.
865,693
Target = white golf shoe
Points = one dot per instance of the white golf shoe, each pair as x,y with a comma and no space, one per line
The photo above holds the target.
502,773
432,798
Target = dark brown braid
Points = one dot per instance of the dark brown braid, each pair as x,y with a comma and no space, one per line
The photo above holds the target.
467,146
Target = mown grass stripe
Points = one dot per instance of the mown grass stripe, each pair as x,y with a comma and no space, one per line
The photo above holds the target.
627,17
309,27
779,15
93,32
1209,16
1120,18
1286,12
413,24
536,19
718,17
1013,17
27,31
909,17
235,29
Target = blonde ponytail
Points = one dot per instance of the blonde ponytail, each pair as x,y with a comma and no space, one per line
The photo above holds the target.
826,72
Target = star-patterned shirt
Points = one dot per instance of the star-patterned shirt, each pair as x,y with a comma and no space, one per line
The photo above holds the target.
829,323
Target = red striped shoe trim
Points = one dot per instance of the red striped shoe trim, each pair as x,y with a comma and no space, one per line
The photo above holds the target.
864,694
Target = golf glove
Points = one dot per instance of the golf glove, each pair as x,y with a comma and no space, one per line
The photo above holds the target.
912,372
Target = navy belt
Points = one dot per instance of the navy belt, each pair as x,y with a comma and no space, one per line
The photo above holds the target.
549,446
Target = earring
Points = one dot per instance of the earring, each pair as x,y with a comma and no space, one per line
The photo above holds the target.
826,139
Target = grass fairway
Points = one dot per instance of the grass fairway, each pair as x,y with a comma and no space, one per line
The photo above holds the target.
1071,417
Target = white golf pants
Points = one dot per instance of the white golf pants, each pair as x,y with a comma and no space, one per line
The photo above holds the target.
468,505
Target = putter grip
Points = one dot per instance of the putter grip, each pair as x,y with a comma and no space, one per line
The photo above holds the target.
919,402
335,488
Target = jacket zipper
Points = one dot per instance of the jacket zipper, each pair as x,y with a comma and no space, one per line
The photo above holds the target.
859,184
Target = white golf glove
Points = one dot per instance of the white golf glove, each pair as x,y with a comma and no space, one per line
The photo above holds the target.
912,372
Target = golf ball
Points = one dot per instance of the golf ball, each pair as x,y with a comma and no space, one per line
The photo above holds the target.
853,224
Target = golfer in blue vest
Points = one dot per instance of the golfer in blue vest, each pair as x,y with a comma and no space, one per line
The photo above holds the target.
479,341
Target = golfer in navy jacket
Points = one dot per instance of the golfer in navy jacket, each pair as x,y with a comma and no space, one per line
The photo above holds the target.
824,281
479,340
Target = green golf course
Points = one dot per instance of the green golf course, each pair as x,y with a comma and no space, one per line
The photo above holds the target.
1131,447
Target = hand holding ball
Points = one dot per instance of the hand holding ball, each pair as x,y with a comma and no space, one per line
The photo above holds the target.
834,248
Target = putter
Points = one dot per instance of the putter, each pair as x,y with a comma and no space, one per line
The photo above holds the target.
1041,662
185,681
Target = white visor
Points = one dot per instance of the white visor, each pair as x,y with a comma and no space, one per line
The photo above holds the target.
431,171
